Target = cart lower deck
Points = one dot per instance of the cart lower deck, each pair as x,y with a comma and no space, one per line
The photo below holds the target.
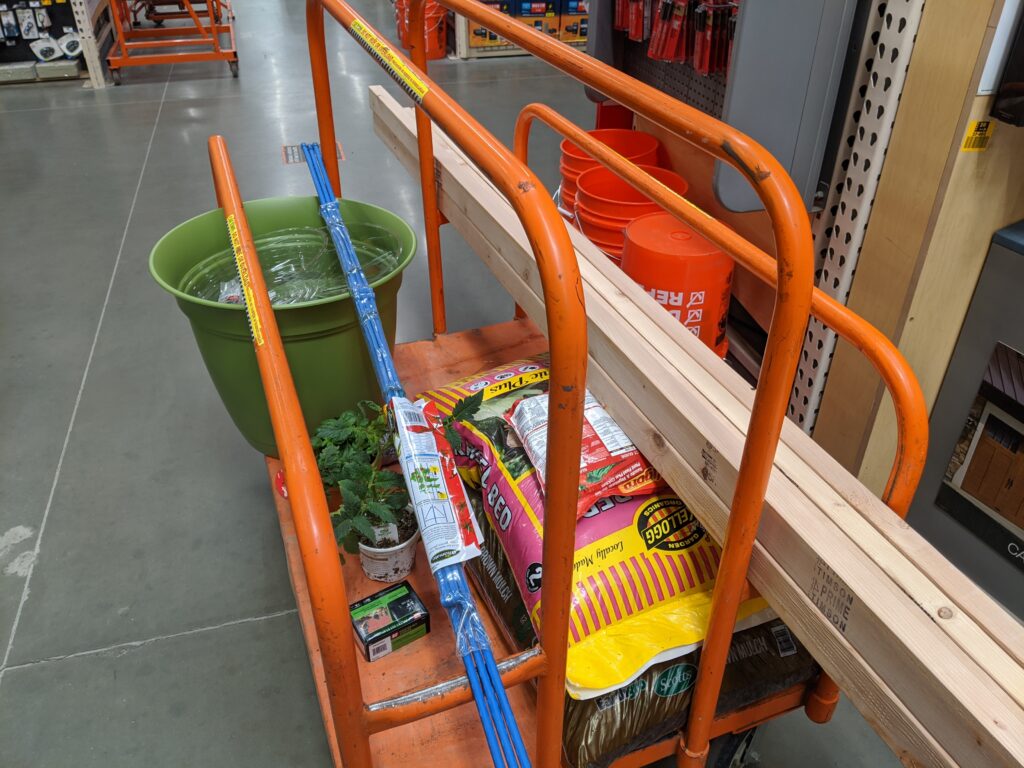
454,738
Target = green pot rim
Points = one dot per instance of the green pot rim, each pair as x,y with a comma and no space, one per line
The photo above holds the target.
182,296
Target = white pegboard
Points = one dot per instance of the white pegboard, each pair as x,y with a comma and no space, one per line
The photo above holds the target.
85,11
839,228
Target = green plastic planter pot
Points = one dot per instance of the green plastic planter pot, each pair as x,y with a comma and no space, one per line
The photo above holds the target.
322,339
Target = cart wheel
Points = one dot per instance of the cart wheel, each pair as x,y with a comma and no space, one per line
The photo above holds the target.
115,75
158,22
234,68
730,750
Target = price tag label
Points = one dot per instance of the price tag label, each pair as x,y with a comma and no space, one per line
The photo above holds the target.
979,133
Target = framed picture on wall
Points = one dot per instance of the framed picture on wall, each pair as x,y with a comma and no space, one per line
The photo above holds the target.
983,486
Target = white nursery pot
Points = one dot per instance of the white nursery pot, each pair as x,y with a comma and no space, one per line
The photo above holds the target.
389,564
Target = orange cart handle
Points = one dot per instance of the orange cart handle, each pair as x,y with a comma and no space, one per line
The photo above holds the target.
566,317
305,490
892,367
795,280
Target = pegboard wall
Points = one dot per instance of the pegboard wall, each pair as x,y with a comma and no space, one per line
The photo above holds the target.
679,80
840,226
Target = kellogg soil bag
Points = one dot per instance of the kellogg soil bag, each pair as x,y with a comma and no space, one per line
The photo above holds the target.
644,567
762,660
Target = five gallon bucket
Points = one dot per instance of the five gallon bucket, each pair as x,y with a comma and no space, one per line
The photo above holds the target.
322,338
606,204
685,273
636,146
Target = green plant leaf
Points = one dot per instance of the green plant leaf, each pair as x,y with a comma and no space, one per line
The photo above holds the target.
350,497
362,524
453,437
390,480
372,407
397,501
381,511
358,470
343,532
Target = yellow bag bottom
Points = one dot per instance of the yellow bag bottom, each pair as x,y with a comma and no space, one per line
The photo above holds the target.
617,653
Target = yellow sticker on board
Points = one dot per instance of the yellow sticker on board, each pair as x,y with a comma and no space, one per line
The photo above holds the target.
243,276
383,53
979,132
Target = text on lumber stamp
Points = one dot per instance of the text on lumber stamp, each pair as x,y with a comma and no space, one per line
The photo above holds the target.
831,595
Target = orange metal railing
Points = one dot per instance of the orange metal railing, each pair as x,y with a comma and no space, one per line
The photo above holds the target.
892,367
305,490
562,287
354,719
794,269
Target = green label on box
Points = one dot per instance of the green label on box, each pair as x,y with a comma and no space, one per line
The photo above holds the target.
381,602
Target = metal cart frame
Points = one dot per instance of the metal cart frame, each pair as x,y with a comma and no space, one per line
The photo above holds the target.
202,41
320,587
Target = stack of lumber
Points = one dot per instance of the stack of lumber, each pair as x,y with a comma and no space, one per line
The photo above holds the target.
931,661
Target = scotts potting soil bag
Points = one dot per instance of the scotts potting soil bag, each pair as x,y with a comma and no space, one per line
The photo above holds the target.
643,567
654,705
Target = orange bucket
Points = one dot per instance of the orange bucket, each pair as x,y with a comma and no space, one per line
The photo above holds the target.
685,273
636,146
603,192
606,234
606,204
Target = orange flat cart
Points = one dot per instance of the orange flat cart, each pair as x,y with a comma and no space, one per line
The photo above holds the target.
207,33
415,704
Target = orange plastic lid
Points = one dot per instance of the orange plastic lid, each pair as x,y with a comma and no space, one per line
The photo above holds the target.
663,233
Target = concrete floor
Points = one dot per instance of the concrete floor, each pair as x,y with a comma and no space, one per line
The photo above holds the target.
145,612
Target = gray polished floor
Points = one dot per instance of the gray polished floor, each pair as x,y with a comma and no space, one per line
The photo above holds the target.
145,612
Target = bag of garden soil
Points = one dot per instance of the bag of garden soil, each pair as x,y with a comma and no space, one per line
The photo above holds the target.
654,705
643,566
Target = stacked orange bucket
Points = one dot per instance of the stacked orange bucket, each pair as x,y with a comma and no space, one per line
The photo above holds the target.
685,273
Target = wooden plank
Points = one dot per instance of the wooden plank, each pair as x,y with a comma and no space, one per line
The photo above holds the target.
476,217
698,168
797,452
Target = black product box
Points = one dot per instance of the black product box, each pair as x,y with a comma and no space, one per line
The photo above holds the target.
388,620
